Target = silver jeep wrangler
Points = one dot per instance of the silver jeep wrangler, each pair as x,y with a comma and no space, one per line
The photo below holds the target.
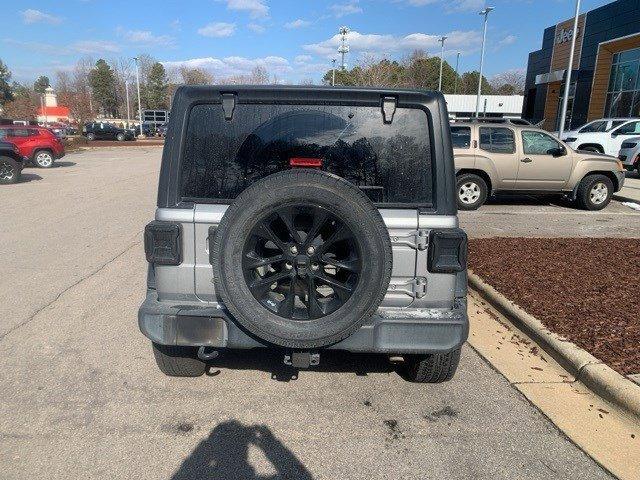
307,220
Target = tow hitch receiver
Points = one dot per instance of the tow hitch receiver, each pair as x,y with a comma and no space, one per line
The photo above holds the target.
301,359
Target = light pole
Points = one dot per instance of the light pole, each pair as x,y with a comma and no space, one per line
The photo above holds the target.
333,72
126,90
567,80
135,59
484,12
343,48
441,40
455,82
43,105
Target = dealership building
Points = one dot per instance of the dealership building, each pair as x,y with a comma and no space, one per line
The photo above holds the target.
605,80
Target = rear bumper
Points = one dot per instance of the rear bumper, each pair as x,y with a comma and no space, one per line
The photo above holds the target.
388,331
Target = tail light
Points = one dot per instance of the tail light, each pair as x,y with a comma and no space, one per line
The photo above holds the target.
447,251
162,243
307,162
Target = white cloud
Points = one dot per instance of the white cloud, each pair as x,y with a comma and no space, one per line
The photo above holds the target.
508,40
146,38
36,16
464,5
417,3
217,29
85,47
176,25
342,9
256,27
299,23
232,66
384,44
95,46
300,59
256,8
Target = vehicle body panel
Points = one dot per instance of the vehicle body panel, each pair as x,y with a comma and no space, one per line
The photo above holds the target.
608,141
531,172
629,153
30,139
403,314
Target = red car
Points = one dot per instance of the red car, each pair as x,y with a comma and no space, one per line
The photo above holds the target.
38,145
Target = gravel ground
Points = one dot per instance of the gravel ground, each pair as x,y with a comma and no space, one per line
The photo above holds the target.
585,289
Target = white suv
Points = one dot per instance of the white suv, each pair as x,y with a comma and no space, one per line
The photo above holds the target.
604,136
629,154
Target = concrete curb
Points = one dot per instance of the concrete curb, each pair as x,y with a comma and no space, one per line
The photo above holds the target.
597,376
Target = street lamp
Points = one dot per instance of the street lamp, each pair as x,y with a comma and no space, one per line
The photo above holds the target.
455,82
567,80
333,72
135,59
126,89
441,40
484,12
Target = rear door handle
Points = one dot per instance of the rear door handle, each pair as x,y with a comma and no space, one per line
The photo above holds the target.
526,160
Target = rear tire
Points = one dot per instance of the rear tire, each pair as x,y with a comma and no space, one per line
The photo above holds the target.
594,192
471,191
43,158
9,171
91,137
120,137
434,368
175,361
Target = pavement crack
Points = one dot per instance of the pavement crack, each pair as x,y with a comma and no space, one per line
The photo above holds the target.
76,283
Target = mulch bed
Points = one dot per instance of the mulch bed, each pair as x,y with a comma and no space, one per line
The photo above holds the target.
585,289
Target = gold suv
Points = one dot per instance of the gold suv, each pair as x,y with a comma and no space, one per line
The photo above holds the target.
506,158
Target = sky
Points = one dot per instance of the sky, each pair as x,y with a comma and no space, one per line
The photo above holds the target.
294,40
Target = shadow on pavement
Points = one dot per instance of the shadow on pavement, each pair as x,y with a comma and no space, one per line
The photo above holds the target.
272,361
29,177
224,455
58,163
541,200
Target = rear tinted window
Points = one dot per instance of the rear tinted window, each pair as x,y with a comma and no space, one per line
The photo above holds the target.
391,163
461,137
497,140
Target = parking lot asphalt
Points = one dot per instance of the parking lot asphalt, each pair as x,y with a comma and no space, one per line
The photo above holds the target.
82,397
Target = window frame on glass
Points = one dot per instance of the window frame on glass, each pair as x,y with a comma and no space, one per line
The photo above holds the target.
513,136
429,205
460,127
558,143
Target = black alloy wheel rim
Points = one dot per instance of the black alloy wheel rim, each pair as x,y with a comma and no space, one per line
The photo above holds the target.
301,262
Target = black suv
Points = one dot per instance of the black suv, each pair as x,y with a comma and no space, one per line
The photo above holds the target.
11,163
304,220
106,131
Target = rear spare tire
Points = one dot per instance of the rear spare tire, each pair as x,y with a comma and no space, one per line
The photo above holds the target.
302,259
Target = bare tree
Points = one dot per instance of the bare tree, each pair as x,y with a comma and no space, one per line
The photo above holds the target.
258,76
195,76
510,82
374,72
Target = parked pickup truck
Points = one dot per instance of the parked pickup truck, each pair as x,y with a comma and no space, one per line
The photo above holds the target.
502,158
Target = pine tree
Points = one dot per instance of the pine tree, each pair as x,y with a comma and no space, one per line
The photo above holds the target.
41,84
156,88
103,87
5,88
